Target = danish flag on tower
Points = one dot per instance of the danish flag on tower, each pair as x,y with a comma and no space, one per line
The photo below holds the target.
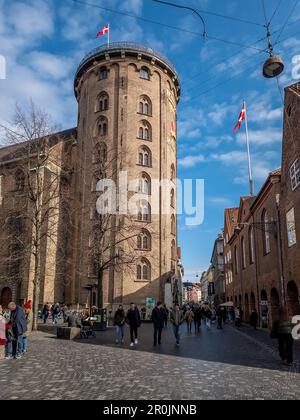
242,118
103,31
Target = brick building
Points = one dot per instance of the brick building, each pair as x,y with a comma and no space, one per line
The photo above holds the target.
127,109
261,252
217,263
290,199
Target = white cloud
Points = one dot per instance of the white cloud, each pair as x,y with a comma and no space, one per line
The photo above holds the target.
50,65
262,137
190,161
30,19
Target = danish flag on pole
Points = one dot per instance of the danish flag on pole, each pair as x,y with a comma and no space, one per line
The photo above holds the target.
242,118
103,31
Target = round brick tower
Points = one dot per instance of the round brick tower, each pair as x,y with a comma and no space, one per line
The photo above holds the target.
128,95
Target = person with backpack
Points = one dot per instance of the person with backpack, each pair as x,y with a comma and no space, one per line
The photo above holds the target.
134,321
119,323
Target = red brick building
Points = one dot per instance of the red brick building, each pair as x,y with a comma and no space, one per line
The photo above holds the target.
262,248
290,199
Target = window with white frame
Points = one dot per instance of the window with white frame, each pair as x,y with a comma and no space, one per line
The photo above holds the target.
295,174
291,227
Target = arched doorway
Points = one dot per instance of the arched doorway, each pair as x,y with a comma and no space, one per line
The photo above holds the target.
275,306
293,305
252,302
247,311
264,307
5,297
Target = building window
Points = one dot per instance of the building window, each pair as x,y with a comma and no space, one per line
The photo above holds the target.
103,127
144,212
172,198
173,225
251,245
19,180
243,253
100,153
144,241
145,73
266,234
145,106
295,174
144,156
173,172
145,131
144,270
236,260
103,73
173,250
291,228
103,102
144,184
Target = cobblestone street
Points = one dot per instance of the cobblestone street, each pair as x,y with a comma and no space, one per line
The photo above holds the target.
216,364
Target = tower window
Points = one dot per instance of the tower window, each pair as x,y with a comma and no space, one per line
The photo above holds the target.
145,73
103,103
145,106
103,73
144,156
145,131
295,174
144,270
103,127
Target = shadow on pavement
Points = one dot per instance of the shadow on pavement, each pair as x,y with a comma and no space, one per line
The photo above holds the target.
227,346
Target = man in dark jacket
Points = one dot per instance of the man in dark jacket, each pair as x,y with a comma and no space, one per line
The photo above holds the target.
158,318
134,320
19,327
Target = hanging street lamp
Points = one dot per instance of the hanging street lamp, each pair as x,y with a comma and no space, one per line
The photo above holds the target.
274,66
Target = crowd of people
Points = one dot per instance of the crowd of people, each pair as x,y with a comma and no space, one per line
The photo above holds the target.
15,326
193,316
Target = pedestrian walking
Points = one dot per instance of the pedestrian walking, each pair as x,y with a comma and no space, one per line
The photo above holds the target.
254,319
231,314
2,334
220,318
282,330
55,313
119,322
167,312
45,313
176,319
238,319
189,317
134,320
29,319
158,318
19,328
197,319
207,314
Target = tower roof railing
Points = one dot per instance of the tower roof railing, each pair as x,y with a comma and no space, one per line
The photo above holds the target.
128,46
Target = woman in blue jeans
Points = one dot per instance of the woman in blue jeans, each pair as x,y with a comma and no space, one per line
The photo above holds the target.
119,322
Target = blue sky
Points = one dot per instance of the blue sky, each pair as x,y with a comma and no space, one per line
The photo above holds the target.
44,40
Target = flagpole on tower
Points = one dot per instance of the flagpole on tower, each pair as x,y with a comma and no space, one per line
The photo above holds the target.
108,36
251,181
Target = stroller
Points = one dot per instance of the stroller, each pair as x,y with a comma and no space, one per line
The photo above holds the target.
87,328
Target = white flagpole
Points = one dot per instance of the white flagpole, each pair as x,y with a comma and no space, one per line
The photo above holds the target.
249,154
108,36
